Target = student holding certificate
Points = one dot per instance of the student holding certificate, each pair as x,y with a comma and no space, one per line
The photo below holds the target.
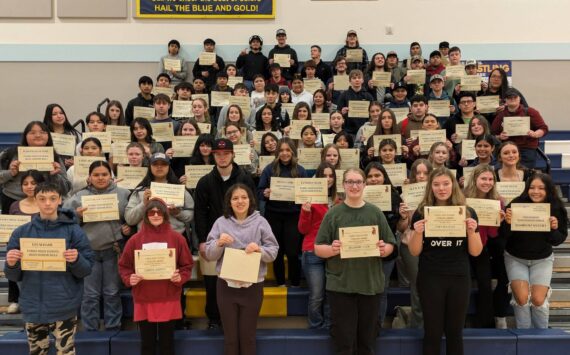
497,85
141,132
511,169
352,43
234,134
343,140
89,147
173,64
377,64
56,121
354,284
384,121
234,115
115,113
104,238
202,154
241,227
331,154
528,254
187,128
156,302
320,104
443,271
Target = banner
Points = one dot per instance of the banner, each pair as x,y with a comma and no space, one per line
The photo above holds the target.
485,67
205,8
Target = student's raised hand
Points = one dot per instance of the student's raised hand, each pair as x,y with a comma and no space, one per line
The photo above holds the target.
169,152
243,52
70,255
252,143
344,110
56,168
371,152
183,179
508,215
80,210
252,248
448,144
451,109
331,86
14,167
385,249
215,66
454,137
406,78
420,226
461,181
501,108
225,239
126,229
553,223
405,150
371,83
335,246
292,61
462,162
146,196
307,206
503,136
501,216
135,279
266,192
403,210
471,225
176,276
484,86
68,162
286,130
416,150
271,61
457,89
205,74
173,210
13,256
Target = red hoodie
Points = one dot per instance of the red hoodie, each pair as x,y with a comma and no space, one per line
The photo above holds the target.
309,223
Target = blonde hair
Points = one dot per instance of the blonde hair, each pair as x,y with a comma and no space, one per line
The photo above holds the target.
471,188
457,198
354,170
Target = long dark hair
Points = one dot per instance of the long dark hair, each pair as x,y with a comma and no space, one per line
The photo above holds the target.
196,158
170,178
276,165
159,205
504,82
146,124
259,122
34,174
263,151
378,166
551,195
48,119
228,211
320,173
121,121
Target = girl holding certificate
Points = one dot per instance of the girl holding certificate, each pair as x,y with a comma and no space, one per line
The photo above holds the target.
443,270
234,133
374,113
528,254
141,132
187,128
511,169
135,154
235,115
56,121
202,154
89,147
320,101
156,302
343,140
268,144
336,122
241,227
266,121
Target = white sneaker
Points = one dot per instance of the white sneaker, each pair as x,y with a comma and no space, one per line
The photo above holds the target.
13,308
501,322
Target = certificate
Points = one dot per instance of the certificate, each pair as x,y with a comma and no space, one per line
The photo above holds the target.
130,176
240,266
396,172
242,154
119,133
358,108
257,137
43,254
64,144
183,146
36,158
172,64
10,222
312,85
314,190
172,194
282,59
103,137
368,131
455,72
397,138
242,139
204,97
289,107
320,120
340,82
205,127
440,108
381,78
428,138
359,242
488,211
354,55
467,174
309,158
471,83
413,194
379,195
349,158
119,152
163,131
207,268
416,76
468,149
401,113
462,131
103,207
282,189
339,183
155,264
81,166
182,108
445,221
297,127
207,58
194,173
161,90
327,138
516,126
487,104
509,190
233,80
530,217
220,98
243,102
265,160
143,112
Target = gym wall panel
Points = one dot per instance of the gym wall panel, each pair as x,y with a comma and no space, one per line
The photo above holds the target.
91,9
25,9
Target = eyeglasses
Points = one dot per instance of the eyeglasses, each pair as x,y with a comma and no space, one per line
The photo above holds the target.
152,213
466,102
38,133
354,182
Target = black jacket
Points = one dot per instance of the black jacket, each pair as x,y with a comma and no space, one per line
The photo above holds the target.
137,101
252,64
210,81
352,124
286,72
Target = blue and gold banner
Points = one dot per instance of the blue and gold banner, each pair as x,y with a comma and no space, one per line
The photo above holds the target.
205,8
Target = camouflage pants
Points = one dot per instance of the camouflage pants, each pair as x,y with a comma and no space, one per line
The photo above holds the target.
63,332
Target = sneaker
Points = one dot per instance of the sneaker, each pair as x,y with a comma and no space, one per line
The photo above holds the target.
214,325
501,322
13,308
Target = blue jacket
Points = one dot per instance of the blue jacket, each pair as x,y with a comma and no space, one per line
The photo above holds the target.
49,296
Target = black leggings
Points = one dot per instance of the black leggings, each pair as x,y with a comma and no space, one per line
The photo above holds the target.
501,297
153,334
481,265
284,227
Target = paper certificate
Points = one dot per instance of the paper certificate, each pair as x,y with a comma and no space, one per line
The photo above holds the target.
397,173
172,64
163,131
205,127
327,138
312,85
401,113
37,158
257,136
207,58
428,138
172,194
265,160
282,59
509,190
243,102
368,131
381,78
103,137
204,97
354,55
467,174
468,149
194,173
81,166
182,108
340,82
440,108
313,190
320,120
103,207
413,194
455,71
242,154
358,108
462,131
309,158
220,98
119,152
297,127
339,185
516,126
416,76
130,176
119,133
155,264
64,144
240,266
43,254
183,146
10,222
207,268
488,211
359,242
379,195
161,90
233,80
445,221
349,158
530,217
282,189
487,104
397,138
471,83
143,112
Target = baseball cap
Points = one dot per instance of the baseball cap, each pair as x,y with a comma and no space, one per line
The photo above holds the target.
471,62
444,44
159,157
400,85
392,53
351,32
416,57
223,144
436,77
280,32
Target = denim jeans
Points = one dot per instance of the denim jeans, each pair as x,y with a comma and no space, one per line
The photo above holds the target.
535,272
319,311
387,268
103,281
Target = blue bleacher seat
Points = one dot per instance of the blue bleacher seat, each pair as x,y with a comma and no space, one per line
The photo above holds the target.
542,341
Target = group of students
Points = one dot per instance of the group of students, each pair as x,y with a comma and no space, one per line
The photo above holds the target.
231,207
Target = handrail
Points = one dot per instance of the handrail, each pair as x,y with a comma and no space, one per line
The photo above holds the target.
80,123
105,101
545,158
